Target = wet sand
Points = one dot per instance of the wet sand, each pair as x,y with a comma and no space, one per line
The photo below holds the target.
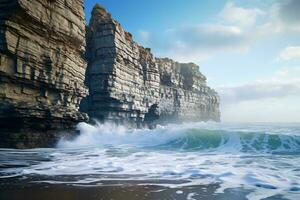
33,188
16,190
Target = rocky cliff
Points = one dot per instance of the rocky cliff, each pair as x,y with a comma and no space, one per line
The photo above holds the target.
184,95
43,75
42,70
129,85
123,77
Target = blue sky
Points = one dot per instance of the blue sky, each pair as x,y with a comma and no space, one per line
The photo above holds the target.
249,50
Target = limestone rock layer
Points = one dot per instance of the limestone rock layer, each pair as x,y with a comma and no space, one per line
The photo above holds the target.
42,69
127,84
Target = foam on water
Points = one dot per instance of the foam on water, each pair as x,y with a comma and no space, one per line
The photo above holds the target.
261,157
191,136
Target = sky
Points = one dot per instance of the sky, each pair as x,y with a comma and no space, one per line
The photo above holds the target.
248,50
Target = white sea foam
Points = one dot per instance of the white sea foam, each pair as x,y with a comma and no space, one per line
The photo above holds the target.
256,157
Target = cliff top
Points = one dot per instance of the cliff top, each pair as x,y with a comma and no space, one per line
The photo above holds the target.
183,67
100,13
166,59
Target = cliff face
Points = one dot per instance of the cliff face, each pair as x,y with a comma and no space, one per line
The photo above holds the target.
42,71
123,77
43,75
128,85
184,95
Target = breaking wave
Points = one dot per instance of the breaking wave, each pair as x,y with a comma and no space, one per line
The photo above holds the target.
189,137
263,158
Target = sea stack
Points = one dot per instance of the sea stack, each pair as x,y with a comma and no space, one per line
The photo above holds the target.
128,85
42,70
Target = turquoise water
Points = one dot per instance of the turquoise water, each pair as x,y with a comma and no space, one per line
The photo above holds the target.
261,158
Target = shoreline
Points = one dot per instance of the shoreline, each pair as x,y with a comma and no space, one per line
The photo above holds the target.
37,191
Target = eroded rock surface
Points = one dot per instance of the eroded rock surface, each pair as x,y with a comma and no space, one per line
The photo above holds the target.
42,70
123,77
129,85
184,95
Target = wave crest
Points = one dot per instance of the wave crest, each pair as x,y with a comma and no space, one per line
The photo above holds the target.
186,137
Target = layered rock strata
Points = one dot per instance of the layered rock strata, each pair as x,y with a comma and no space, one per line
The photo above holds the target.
184,95
123,77
128,85
42,70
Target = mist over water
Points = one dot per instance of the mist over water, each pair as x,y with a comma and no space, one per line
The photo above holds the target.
264,158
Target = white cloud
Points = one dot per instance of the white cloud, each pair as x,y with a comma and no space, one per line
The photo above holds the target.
284,17
281,110
234,32
198,42
287,12
144,37
244,17
290,53
273,98
285,82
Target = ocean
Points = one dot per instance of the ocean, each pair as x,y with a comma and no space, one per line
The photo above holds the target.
177,161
